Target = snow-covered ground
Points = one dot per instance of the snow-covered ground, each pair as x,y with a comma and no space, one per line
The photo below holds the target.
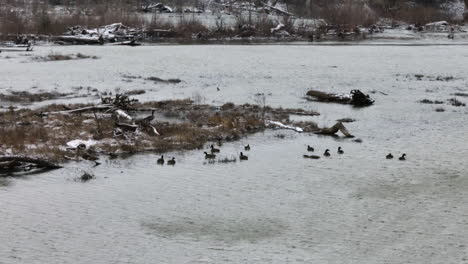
277,207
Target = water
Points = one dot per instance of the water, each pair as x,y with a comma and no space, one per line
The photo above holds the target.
277,207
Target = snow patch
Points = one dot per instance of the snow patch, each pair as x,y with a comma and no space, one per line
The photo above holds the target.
76,142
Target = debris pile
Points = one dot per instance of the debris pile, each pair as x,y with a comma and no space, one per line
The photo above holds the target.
107,34
158,7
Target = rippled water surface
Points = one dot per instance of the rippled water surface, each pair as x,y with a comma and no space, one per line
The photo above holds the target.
277,207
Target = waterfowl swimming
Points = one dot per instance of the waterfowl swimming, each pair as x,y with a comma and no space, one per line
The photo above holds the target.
326,153
213,149
340,151
171,161
243,157
389,156
161,160
247,148
309,148
311,157
402,157
89,155
209,156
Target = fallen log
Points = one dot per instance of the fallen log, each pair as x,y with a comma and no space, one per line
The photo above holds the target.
355,98
334,129
81,110
127,127
10,163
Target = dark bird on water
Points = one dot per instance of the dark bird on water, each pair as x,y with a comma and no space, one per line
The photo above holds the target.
247,148
213,149
326,153
403,157
311,157
171,161
309,148
88,155
209,156
243,157
389,156
161,160
340,151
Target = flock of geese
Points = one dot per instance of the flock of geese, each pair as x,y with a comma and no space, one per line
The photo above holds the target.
209,156
340,151
214,150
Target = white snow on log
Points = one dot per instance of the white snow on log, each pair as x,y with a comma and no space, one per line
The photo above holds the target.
122,114
74,143
437,24
279,27
281,125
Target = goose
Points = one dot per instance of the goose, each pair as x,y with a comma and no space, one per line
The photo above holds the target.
247,148
311,157
161,160
389,156
150,118
403,157
209,156
309,148
243,157
171,161
340,151
213,149
88,155
326,153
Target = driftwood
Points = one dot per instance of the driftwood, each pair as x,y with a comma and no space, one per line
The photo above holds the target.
157,79
81,110
356,98
13,163
127,127
334,129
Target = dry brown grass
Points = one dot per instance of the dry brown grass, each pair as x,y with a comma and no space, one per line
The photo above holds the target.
24,96
348,14
422,14
63,57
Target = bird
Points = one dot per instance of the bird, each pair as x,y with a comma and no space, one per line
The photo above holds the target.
171,161
326,153
209,156
389,156
161,160
89,155
217,88
403,157
311,157
243,157
247,148
309,148
148,119
213,149
340,151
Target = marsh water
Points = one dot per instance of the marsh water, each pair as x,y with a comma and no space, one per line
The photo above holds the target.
276,207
